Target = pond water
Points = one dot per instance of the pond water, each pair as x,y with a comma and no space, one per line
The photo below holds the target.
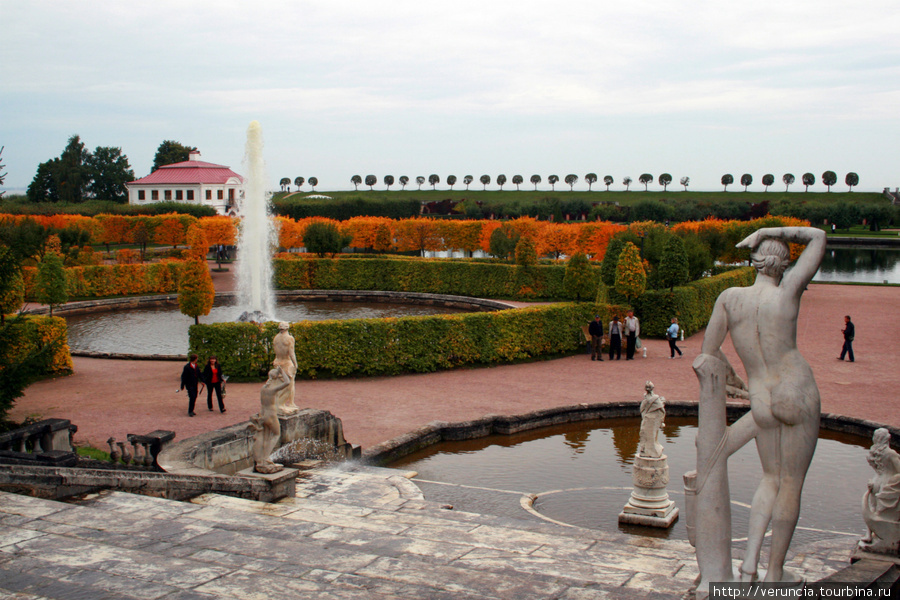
164,330
860,264
582,475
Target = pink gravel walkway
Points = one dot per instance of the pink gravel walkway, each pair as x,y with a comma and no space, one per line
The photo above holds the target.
111,398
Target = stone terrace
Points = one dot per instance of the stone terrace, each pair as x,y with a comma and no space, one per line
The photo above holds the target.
357,532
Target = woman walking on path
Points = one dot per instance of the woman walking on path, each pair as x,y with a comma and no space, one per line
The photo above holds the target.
214,377
672,336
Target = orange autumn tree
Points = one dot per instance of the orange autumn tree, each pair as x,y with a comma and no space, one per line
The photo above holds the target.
593,238
419,234
558,239
219,230
198,246
114,229
195,289
170,231
631,279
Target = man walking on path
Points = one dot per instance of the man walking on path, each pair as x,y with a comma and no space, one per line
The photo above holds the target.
672,336
849,333
596,331
615,338
190,380
632,332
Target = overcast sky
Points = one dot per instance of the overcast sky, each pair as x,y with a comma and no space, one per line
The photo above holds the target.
696,89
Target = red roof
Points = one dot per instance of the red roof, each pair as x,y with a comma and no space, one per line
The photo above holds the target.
188,172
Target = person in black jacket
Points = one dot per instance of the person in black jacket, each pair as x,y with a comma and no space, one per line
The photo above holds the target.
213,377
596,331
190,380
849,332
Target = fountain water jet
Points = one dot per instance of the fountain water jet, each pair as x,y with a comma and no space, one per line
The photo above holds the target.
257,235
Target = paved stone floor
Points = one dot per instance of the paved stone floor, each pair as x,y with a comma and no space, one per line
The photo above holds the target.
351,533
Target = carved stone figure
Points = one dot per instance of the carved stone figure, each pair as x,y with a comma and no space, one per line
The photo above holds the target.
266,426
653,413
286,358
881,503
649,503
784,408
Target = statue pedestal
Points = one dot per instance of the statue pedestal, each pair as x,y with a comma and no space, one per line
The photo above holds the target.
649,504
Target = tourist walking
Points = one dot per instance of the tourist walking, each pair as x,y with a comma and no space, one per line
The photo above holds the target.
190,380
615,338
632,332
849,332
596,331
672,336
213,377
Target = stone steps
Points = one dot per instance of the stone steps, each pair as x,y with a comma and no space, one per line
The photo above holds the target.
350,533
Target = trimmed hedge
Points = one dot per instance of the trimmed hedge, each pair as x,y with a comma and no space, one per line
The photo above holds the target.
692,303
113,280
482,280
346,208
402,345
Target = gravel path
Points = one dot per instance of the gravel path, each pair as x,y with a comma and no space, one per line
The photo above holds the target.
112,398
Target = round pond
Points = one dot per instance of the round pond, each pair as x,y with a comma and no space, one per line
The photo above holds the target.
164,330
581,474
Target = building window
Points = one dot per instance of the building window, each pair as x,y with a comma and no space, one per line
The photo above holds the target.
231,195
154,195
220,195
179,195
190,194
141,195
168,194
209,194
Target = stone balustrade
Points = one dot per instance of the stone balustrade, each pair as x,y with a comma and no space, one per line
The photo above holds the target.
48,441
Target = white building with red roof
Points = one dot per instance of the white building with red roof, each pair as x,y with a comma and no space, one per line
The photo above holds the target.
192,181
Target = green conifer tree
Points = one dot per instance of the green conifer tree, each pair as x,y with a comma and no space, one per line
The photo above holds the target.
580,280
673,266
51,281
610,260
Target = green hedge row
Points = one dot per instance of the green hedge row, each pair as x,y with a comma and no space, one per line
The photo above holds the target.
482,280
692,303
402,345
346,208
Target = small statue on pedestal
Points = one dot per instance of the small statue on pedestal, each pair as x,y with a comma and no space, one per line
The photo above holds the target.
266,426
286,359
881,503
649,503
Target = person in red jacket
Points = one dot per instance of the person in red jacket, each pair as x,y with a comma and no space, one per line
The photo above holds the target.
214,378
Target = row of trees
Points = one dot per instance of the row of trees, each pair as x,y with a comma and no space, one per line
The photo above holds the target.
285,183
829,178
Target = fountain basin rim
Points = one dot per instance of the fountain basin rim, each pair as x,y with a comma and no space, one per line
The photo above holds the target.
441,431
467,303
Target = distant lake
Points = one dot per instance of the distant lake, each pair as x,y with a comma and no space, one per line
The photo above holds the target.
858,264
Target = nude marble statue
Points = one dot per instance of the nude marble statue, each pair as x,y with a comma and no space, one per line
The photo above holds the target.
286,358
784,405
881,503
266,426
653,413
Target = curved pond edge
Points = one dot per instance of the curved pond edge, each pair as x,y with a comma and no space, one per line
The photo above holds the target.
440,431
465,303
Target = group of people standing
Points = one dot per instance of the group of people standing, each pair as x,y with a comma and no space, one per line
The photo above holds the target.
630,330
193,379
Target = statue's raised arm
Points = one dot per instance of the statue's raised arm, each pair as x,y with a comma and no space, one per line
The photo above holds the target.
798,277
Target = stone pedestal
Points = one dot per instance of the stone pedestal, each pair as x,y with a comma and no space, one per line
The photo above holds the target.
649,504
